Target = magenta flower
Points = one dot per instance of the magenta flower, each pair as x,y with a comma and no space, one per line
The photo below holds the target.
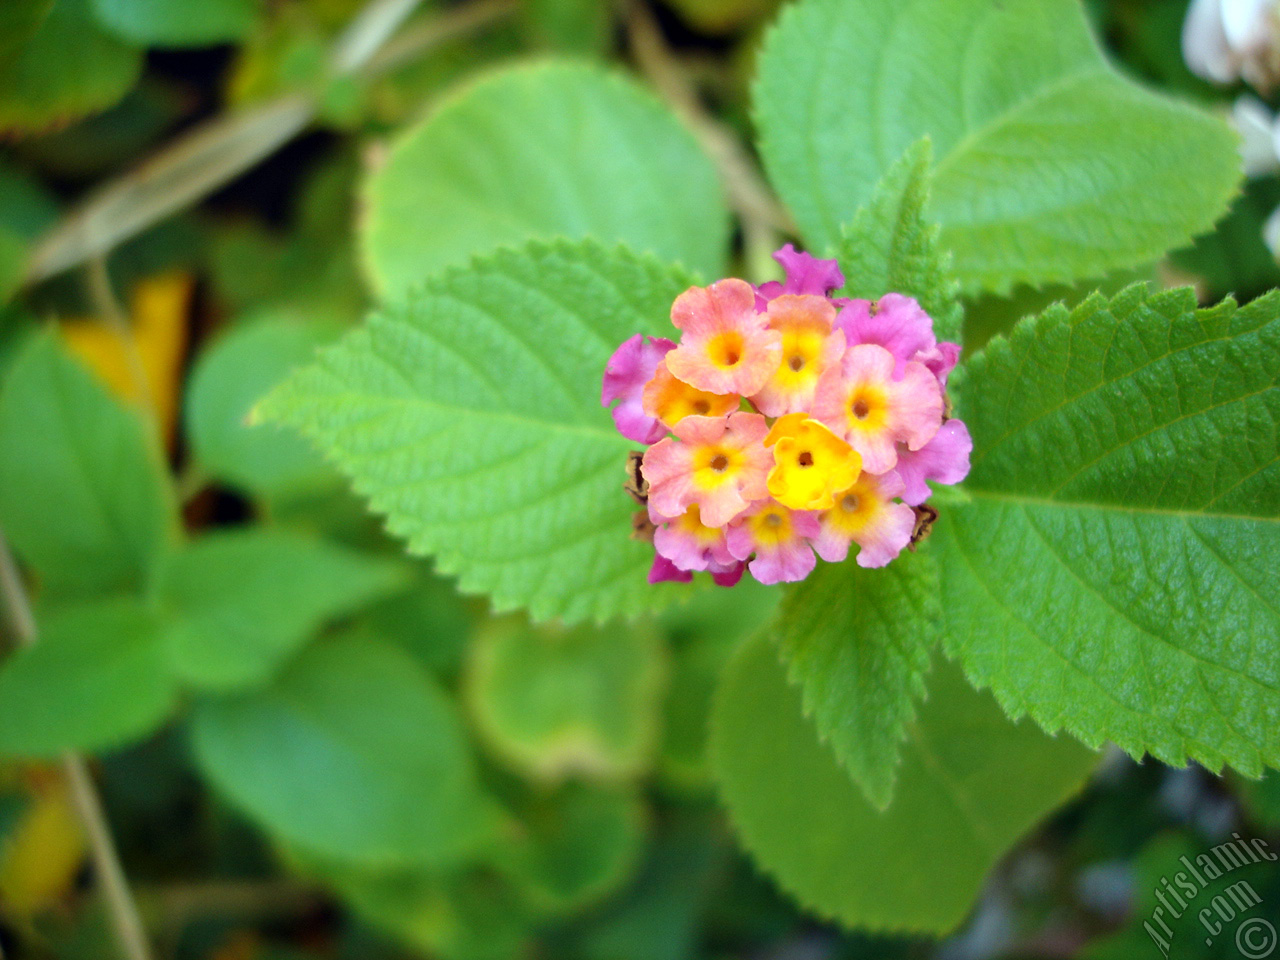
900,325
663,571
804,274
625,375
944,459
727,575
689,543
778,537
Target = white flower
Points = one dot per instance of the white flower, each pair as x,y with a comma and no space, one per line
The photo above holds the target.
1227,40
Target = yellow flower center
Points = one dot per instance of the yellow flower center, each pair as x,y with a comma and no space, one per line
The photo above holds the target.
771,526
714,466
692,523
671,400
725,350
801,351
855,508
868,409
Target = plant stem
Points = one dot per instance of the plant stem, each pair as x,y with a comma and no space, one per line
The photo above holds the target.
123,911
761,215
212,154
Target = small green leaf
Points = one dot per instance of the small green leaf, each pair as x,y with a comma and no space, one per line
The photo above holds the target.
470,416
240,602
84,496
556,702
892,247
858,643
309,760
95,679
13,260
177,23
971,783
464,915
1117,570
230,377
576,846
553,150
1050,166
64,68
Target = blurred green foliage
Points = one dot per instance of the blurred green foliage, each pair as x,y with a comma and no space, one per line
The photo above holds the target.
309,742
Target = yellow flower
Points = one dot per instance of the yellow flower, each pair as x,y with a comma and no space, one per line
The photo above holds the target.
810,463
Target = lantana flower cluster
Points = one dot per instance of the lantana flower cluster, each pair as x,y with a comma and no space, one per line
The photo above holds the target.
785,422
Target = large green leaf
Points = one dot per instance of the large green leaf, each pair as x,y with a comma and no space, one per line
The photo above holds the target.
96,678
1117,572
230,377
470,417
177,23
557,702
891,246
240,602
84,496
63,66
542,151
1050,165
971,783
858,643
353,753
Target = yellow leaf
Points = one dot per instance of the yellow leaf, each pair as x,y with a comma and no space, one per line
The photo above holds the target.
159,308
40,858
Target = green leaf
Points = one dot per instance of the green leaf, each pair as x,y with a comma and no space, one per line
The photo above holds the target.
892,247
971,783
556,702
543,151
470,417
13,260
311,761
95,679
576,847
43,83
703,635
467,915
241,602
858,644
84,496
229,378
177,23
1117,570
1050,165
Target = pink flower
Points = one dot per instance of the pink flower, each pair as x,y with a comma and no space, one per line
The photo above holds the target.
726,347
865,514
628,370
808,349
900,325
944,459
863,402
805,274
689,543
779,538
718,463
